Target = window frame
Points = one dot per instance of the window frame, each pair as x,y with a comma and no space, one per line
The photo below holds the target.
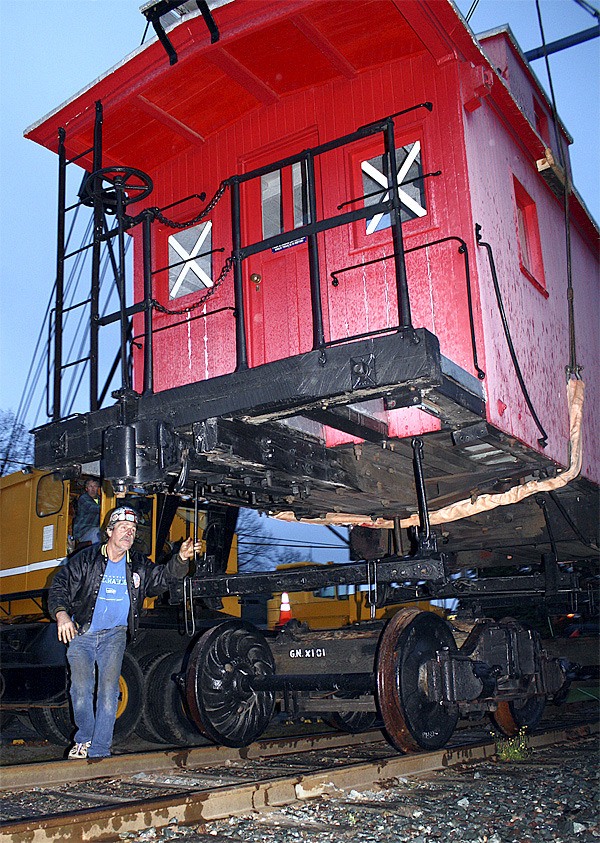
531,262
43,509
372,148
289,199
202,288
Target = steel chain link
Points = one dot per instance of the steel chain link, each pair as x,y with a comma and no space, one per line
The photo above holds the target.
199,217
226,268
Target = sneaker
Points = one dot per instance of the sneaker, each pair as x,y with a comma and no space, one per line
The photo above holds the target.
80,750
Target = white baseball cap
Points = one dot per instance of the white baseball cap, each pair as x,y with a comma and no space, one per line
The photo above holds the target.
122,513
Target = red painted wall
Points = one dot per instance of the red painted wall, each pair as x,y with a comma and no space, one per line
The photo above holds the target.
279,313
536,313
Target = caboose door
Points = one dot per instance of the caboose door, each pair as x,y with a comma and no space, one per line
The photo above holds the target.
276,281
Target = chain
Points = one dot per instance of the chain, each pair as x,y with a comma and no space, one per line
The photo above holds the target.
225,270
172,224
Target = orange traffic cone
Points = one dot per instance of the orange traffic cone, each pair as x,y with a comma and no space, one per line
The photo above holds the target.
285,610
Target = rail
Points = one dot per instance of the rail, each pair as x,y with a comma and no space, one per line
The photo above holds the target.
205,784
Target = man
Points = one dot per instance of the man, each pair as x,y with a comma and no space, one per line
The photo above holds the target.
86,524
96,598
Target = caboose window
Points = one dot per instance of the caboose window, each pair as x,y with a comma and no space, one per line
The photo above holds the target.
271,203
272,200
300,198
408,174
528,234
190,260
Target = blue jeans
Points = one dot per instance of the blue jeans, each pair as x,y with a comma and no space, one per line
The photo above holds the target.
104,649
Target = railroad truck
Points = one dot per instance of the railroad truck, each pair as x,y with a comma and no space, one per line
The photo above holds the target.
363,292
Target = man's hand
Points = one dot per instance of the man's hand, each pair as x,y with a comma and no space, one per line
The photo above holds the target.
188,549
66,627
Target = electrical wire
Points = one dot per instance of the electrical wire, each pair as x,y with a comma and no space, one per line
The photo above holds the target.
273,541
14,462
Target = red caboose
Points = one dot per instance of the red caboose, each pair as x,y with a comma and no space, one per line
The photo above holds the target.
354,226
307,289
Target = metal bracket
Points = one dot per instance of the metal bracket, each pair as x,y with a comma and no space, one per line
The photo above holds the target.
426,539
155,11
363,372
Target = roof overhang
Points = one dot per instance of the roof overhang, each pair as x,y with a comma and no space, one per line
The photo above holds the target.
154,111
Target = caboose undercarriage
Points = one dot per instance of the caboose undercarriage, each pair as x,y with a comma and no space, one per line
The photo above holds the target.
252,438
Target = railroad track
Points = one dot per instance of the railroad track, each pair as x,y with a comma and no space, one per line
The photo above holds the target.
87,801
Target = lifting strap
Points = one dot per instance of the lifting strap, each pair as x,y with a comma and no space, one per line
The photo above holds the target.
482,503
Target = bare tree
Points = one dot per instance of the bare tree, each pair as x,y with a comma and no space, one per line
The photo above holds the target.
255,543
16,444
290,555
258,549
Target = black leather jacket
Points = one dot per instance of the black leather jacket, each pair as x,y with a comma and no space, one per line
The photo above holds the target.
76,584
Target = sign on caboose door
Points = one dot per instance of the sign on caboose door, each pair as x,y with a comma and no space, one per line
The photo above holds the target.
276,281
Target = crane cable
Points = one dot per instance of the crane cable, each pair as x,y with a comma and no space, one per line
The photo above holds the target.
469,14
588,8
573,370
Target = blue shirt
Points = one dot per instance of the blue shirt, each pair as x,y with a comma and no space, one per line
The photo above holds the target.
112,604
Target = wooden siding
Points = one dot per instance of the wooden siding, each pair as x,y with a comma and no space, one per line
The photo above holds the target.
538,325
366,298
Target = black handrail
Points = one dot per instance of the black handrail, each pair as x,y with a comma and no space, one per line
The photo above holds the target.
185,321
60,276
463,249
96,260
312,227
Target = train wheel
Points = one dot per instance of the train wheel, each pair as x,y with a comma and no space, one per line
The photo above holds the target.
221,699
53,724
144,728
412,721
131,689
165,707
512,716
352,722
